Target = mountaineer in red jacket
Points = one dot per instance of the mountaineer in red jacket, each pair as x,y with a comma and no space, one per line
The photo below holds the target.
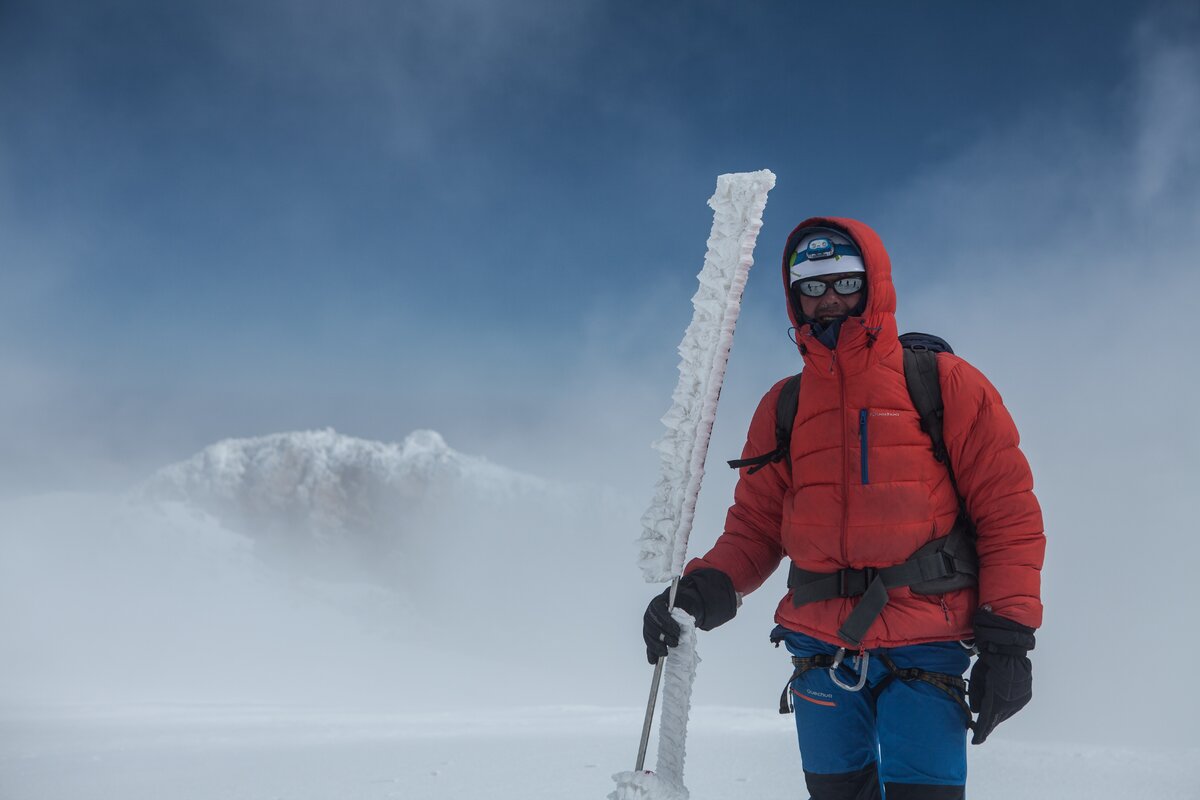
862,506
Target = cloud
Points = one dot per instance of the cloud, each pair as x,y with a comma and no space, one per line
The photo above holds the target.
410,73
1069,252
1167,150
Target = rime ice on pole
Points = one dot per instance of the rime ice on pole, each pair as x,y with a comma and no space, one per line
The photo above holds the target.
666,782
737,218
645,786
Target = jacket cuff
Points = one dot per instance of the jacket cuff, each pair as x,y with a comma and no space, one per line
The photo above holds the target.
716,593
997,634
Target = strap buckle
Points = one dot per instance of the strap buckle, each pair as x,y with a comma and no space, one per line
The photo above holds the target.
849,581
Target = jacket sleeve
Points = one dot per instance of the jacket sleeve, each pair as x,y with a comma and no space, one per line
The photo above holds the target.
997,485
749,550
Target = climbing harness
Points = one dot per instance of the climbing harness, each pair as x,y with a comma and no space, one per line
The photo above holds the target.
954,686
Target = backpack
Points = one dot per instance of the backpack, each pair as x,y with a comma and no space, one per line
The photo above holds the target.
945,564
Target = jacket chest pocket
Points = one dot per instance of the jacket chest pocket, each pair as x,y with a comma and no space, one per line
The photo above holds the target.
864,444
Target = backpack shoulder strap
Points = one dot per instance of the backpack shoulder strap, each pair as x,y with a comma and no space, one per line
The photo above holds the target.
925,389
921,375
785,416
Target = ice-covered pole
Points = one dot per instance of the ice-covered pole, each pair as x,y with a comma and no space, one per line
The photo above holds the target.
704,352
737,206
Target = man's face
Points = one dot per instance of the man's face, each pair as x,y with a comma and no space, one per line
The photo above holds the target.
831,305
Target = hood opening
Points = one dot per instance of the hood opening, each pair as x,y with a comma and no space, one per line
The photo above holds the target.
828,334
879,299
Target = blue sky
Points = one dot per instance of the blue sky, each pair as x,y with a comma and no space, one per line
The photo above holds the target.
233,218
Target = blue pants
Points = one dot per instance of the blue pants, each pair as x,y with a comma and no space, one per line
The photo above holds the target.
904,740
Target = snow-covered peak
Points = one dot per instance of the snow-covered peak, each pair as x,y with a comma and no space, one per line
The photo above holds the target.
424,442
325,482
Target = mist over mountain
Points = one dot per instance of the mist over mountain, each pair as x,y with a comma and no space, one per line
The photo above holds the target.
313,567
334,503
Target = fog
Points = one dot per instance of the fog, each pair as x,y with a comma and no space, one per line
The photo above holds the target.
423,593
1057,254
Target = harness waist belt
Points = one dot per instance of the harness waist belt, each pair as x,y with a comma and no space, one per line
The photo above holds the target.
943,565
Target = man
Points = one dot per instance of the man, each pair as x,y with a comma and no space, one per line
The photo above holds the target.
878,695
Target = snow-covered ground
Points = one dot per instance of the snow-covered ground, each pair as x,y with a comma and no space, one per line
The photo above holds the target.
551,753
440,627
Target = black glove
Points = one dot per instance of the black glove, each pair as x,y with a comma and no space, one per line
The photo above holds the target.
1002,678
707,594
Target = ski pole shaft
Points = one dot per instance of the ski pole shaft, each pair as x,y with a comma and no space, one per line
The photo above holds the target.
641,757
650,704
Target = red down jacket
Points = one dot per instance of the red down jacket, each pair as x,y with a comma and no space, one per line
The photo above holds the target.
818,512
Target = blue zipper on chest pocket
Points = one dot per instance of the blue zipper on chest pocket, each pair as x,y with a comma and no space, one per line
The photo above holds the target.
862,443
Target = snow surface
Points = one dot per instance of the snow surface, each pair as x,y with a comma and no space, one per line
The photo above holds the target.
551,753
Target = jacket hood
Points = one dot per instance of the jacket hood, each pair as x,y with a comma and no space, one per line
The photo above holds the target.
879,315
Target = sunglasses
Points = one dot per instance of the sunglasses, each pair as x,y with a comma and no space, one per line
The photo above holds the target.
810,287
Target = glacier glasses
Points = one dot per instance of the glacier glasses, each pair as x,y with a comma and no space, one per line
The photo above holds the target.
811,287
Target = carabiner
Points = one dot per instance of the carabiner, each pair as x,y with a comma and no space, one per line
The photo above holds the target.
862,658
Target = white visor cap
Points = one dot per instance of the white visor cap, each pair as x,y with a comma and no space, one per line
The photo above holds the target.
824,252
